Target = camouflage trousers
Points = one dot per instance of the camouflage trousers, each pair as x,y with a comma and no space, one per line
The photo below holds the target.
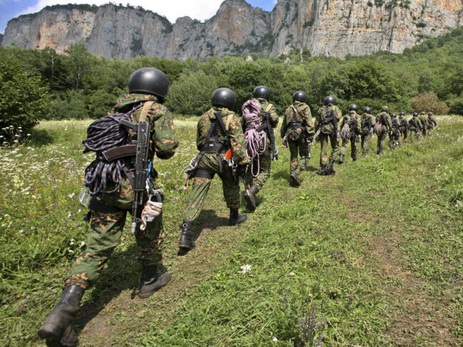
298,148
353,147
365,143
209,166
260,166
325,141
394,141
105,235
381,139
414,135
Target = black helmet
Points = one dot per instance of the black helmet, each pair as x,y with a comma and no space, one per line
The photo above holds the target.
330,100
415,114
262,92
300,96
223,97
353,107
149,80
367,109
401,113
393,115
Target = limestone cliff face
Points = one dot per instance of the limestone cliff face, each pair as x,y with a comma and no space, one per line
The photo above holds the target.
324,27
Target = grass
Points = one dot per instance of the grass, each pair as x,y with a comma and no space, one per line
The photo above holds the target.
370,256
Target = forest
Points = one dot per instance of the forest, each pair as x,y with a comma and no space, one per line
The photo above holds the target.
43,85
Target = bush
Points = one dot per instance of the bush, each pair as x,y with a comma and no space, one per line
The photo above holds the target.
429,102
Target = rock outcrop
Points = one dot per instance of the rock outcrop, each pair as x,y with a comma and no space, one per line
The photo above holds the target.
324,27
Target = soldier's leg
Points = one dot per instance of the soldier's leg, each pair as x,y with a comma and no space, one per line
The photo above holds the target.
295,169
105,235
231,193
150,256
343,150
304,152
323,151
353,148
259,181
194,205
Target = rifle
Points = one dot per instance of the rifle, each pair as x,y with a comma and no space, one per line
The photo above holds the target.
271,135
142,168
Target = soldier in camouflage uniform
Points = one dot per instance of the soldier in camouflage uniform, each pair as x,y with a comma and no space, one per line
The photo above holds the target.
383,127
366,130
394,135
424,124
297,131
108,211
403,126
350,129
431,122
414,125
326,130
269,120
219,131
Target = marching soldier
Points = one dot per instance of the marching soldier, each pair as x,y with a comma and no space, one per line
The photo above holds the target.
366,121
112,200
350,129
297,131
222,151
383,127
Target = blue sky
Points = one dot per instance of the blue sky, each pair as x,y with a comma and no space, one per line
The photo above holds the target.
197,9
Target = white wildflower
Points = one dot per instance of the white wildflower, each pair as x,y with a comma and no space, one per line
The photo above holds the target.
275,339
71,242
245,268
70,196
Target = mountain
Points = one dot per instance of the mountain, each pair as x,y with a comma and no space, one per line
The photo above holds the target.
324,27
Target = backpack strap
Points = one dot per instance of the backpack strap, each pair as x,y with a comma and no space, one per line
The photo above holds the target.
145,109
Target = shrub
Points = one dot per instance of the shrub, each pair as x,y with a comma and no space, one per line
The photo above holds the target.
429,102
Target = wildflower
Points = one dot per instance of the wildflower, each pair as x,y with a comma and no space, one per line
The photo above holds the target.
275,339
71,242
81,244
70,251
69,214
245,268
21,232
70,196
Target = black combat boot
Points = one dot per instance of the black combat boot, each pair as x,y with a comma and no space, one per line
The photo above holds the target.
341,158
250,197
186,237
329,169
151,281
60,319
294,180
235,217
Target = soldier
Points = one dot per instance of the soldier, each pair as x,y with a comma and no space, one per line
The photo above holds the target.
326,127
222,151
366,121
297,132
394,134
424,124
350,129
383,127
403,126
110,202
259,127
431,122
414,125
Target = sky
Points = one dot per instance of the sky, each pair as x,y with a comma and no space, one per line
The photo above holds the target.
196,9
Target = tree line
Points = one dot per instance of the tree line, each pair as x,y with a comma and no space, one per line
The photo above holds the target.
42,84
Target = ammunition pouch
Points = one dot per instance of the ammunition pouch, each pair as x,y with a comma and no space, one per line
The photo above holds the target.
203,174
295,131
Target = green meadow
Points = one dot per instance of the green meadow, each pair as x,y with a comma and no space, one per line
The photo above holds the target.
369,257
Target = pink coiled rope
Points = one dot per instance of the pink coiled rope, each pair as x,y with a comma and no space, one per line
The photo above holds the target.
255,140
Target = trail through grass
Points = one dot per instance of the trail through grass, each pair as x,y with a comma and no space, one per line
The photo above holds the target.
371,256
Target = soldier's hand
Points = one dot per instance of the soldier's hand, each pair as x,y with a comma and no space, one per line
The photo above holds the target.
241,170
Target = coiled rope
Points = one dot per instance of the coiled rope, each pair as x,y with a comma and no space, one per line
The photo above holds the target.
103,134
256,141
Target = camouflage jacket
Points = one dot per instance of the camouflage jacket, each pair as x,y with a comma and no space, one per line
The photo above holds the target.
320,118
163,142
353,119
403,124
415,124
268,107
385,119
298,112
234,138
367,121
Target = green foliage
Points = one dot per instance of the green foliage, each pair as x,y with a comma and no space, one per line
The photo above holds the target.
429,102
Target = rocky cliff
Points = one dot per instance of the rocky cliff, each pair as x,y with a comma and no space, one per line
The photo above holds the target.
324,27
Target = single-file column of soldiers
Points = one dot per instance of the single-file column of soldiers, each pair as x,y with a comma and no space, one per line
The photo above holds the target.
235,147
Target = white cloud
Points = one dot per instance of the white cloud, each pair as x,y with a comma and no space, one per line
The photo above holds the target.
172,9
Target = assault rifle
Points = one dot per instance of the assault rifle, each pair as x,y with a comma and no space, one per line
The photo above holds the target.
271,134
142,168
330,117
